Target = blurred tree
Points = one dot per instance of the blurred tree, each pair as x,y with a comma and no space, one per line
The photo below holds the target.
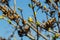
23,27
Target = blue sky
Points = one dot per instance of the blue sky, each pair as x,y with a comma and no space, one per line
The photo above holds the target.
6,29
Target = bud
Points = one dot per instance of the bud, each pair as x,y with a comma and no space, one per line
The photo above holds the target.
3,1
33,1
48,1
56,7
56,0
56,35
37,23
5,7
30,19
24,22
11,17
17,16
47,10
30,6
1,17
49,23
20,9
26,28
35,13
44,7
9,21
38,4
59,14
20,33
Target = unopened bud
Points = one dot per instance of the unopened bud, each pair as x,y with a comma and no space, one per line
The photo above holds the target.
30,19
59,14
